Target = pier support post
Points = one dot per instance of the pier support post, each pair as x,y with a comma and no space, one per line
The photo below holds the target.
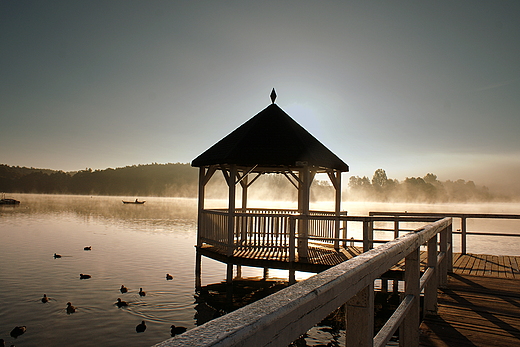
360,318
229,273
198,270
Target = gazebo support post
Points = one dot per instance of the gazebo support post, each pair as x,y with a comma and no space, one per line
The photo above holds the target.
231,209
335,178
303,208
202,186
244,185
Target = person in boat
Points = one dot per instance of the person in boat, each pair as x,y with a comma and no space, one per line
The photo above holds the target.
136,201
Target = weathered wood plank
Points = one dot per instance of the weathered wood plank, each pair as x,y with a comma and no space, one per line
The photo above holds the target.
475,311
476,265
471,261
495,266
515,263
479,270
508,269
462,261
489,266
456,257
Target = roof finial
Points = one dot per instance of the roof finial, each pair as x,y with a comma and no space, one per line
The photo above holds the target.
273,96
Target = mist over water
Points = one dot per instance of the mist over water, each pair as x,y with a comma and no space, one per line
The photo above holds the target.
136,245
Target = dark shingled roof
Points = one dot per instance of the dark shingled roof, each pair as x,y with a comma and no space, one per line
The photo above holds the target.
270,139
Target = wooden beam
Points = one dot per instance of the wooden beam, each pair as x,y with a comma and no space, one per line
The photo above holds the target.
209,173
240,178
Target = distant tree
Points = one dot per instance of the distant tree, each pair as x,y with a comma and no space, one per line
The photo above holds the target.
379,179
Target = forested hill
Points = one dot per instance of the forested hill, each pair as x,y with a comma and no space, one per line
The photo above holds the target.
139,180
181,180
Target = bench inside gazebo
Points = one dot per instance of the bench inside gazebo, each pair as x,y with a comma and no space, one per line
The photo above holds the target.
271,142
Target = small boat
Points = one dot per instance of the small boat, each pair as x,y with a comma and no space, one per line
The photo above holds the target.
137,202
9,202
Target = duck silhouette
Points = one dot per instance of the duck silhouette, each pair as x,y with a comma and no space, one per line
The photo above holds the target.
70,309
17,331
45,298
169,277
84,276
120,303
87,248
141,293
57,256
123,289
177,330
141,327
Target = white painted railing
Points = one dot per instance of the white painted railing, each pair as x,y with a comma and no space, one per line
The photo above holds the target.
273,229
463,222
281,318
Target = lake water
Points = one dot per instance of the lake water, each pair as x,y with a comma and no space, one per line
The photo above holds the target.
135,246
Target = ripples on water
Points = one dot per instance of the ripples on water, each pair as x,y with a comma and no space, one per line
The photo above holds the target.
134,245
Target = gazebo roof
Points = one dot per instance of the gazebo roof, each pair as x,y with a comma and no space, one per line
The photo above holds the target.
270,140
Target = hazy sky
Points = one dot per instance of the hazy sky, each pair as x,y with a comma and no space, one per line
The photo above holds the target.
408,86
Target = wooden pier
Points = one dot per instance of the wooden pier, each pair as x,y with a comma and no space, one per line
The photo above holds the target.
461,291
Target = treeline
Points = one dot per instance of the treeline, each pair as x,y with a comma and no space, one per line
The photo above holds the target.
426,189
165,180
138,180
181,180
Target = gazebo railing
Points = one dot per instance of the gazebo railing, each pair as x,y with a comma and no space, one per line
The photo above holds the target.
283,229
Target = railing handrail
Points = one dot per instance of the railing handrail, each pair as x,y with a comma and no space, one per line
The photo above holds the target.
283,316
448,214
463,217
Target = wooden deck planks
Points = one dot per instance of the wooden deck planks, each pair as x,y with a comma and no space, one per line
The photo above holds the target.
475,311
466,264
502,266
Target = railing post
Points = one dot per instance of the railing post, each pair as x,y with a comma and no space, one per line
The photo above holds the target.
368,233
463,234
345,224
409,328
449,243
443,266
360,318
430,291
292,238
396,227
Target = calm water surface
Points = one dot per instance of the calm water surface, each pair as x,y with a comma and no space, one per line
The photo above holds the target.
134,245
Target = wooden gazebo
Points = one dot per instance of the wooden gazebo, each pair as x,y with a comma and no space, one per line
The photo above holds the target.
269,142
